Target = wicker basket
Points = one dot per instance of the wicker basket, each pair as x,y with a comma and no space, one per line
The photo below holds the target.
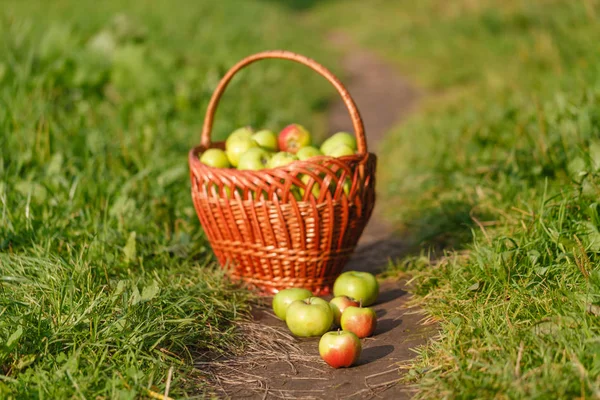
272,229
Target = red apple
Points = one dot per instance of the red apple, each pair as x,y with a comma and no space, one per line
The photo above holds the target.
293,137
340,349
360,321
339,304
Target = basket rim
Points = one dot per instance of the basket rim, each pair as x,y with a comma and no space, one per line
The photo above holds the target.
197,165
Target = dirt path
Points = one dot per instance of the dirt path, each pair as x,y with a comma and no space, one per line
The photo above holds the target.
383,99
276,365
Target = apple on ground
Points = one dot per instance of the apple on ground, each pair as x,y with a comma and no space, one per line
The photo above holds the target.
254,159
279,160
339,304
309,317
361,321
340,151
338,139
215,158
282,158
293,137
340,349
307,152
266,139
285,297
361,286
235,147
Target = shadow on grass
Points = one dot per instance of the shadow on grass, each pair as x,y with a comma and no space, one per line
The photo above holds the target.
298,5
447,227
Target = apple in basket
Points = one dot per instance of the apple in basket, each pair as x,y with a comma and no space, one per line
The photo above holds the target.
244,132
339,304
285,297
254,159
239,142
340,151
237,147
340,349
309,317
215,158
346,185
308,152
361,286
316,188
266,139
282,158
360,321
293,137
338,139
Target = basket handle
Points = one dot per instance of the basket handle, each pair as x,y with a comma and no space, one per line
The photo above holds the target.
357,121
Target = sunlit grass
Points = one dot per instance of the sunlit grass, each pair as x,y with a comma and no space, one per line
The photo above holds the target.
106,279
499,172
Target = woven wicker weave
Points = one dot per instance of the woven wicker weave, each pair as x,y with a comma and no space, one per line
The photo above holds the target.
269,227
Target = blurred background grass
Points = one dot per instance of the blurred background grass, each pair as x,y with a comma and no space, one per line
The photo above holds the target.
495,182
104,271
106,279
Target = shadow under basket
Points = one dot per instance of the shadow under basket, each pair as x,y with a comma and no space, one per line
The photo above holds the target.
290,226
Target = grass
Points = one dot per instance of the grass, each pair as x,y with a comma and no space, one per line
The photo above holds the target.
501,168
106,279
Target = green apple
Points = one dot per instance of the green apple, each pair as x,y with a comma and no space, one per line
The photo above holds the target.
340,151
361,286
215,158
266,139
307,152
285,297
228,192
296,193
338,139
360,321
309,317
225,193
254,159
282,158
245,132
340,349
293,137
316,188
347,186
339,304
237,146
260,195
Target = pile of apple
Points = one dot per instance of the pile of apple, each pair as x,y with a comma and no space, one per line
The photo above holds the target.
309,316
249,150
